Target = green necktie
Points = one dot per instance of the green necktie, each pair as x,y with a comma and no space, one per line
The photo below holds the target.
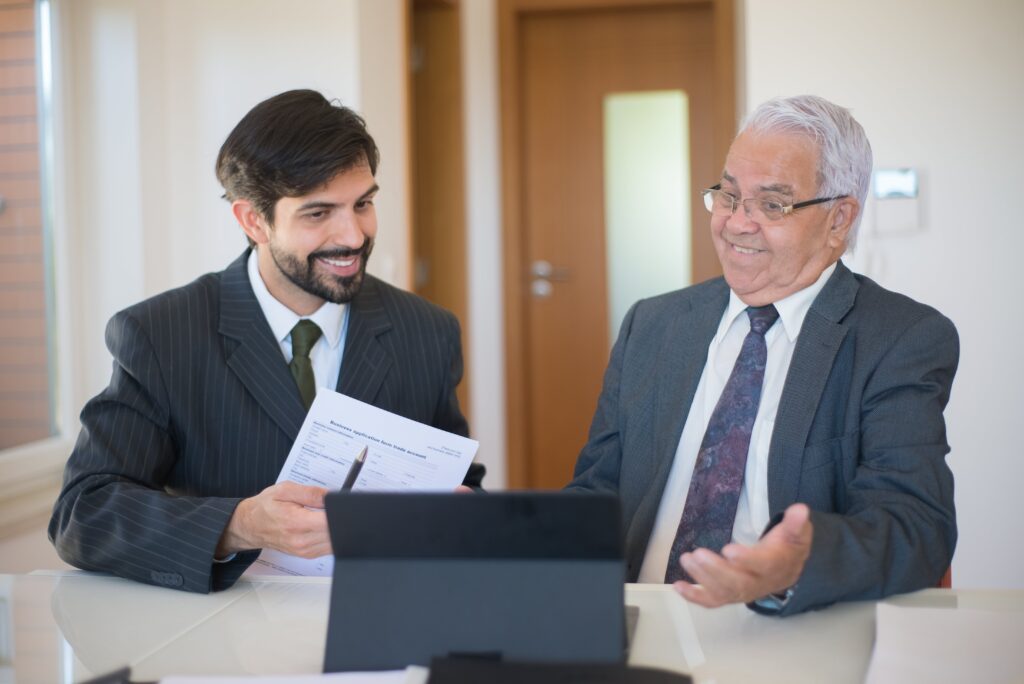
304,336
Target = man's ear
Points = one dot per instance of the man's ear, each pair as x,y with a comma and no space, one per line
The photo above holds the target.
252,222
843,214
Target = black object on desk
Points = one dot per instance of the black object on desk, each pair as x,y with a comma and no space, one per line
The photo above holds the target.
121,676
525,576
476,670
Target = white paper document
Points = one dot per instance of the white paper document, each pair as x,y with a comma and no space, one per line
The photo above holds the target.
952,645
410,675
402,456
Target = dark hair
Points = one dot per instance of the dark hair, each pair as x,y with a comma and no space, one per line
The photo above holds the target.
290,145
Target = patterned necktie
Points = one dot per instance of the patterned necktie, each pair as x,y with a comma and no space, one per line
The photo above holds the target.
304,336
710,510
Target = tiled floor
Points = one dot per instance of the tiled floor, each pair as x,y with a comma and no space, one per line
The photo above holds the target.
29,551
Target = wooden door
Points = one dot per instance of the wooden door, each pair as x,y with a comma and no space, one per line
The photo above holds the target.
565,64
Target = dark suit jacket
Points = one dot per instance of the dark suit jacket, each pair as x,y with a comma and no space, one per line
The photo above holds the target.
859,435
201,411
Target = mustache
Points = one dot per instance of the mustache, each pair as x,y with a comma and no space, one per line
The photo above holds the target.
343,252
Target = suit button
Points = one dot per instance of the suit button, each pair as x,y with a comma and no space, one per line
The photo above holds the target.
167,579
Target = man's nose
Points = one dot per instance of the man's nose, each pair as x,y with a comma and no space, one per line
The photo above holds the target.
347,231
740,220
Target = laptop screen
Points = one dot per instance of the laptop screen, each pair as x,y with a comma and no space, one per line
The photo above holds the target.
534,576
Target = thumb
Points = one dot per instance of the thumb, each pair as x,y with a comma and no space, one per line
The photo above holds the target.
796,524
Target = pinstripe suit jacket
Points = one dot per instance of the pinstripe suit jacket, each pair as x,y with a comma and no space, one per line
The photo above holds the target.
202,410
859,435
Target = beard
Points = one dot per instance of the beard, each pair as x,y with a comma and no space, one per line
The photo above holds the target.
331,288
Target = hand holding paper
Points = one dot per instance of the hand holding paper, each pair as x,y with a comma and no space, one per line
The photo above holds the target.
398,454
287,517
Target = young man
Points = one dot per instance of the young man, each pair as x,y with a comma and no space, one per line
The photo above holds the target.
172,479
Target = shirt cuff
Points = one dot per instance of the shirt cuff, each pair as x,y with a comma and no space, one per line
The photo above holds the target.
772,604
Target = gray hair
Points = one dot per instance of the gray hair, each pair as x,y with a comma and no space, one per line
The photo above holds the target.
844,153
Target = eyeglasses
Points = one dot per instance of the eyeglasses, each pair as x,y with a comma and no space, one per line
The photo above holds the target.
722,203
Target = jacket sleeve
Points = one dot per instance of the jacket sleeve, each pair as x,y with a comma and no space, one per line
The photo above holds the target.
113,513
600,462
448,416
896,531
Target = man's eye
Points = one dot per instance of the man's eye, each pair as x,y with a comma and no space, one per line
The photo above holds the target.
725,199
772,205
362,204
316,215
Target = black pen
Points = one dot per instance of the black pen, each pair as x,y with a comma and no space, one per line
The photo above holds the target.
353,472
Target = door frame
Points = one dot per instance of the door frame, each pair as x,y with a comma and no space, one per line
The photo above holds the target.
515,281
436,168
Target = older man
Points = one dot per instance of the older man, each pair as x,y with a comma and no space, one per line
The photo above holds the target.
777,435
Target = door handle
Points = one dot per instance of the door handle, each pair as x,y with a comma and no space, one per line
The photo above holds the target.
540,288
544,269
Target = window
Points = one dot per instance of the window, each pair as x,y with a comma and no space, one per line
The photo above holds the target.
647,197
26,382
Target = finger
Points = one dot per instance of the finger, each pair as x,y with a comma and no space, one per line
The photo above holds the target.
322,549
723,581
303,495
703,564
755,560
737,552
307,522
463,489
314,547
699,594
304,533
706,568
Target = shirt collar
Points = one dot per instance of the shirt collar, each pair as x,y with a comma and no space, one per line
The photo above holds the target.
329,317
792,310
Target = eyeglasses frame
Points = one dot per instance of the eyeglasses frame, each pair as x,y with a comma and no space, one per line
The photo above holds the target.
786,211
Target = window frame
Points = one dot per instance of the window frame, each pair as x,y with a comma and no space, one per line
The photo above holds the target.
30,474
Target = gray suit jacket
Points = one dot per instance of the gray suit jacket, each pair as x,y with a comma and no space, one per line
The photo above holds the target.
201,411
859,435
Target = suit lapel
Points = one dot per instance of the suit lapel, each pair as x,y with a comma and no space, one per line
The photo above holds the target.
252,352
684,352
815,352
366,361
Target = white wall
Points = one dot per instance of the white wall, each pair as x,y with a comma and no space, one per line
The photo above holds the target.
938,85
485,332
384,102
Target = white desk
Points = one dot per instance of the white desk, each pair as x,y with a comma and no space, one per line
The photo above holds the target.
66,627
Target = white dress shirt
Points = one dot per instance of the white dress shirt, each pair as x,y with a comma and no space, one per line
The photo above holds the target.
332,319
752,511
